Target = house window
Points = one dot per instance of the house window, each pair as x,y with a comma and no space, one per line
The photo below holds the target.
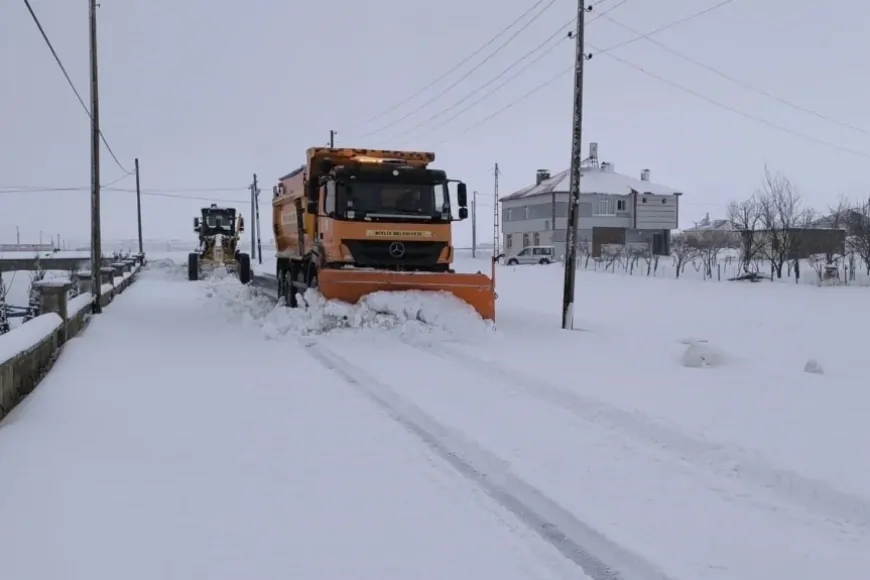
605,207
510,241
536,237
547,225
620,205
525,240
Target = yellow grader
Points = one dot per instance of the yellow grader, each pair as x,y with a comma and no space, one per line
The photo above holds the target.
219,229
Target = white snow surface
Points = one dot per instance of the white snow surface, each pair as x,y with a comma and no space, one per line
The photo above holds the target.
26,336
679,433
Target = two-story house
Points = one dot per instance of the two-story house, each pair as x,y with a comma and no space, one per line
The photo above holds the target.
614,209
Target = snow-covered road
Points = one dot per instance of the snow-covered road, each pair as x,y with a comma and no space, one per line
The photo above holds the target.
227,439
163,446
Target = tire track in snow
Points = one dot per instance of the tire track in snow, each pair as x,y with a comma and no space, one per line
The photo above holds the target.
814,495
596,555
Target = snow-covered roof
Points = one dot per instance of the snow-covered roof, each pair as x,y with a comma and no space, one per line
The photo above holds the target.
708,225
594,180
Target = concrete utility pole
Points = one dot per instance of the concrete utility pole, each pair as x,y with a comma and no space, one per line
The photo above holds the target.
17,235
474,224
252,226
96,243
257,224
576,159
331,139
139,206
495,220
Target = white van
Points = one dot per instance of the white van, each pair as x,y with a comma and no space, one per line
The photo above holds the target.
533,255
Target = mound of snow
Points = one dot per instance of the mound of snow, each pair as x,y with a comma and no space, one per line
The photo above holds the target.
813,367
411,315
166,268
702,355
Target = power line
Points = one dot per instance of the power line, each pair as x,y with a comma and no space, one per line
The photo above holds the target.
737,81
124,190
70,82
664,26
468,73
455,67
733,109
559,33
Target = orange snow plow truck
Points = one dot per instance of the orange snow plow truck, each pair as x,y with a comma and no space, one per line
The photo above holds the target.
355,221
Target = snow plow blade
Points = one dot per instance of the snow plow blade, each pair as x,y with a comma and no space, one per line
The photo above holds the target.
351,285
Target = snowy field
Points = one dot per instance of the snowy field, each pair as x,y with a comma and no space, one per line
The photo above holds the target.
677,434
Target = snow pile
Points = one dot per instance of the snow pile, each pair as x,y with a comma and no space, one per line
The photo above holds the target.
412,315
699,354
166,268
813,367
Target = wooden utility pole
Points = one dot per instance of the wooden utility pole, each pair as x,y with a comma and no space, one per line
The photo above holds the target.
474,224
139,206
331,139
96,242
576,159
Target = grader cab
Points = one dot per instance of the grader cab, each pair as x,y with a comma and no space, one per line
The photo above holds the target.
219,229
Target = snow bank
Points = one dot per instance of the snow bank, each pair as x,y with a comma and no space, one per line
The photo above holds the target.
411,315
28,335
79,303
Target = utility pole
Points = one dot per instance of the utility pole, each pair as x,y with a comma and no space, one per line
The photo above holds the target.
495,238
257,224
96,245
17,235
576,158
253,226
139,206
331,139
474,224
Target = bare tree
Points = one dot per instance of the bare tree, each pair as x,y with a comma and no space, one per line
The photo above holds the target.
683,252
709,247
584,251
859,233
745,218
781,212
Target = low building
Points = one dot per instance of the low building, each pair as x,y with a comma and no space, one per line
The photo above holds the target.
719,232
614,209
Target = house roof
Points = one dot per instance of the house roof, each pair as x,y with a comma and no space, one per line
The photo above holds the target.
712,225
594,180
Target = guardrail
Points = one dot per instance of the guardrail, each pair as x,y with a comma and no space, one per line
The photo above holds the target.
28,351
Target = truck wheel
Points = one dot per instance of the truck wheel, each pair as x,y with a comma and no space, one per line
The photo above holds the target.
245,268
193,267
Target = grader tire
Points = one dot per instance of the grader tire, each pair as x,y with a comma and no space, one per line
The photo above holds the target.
193,267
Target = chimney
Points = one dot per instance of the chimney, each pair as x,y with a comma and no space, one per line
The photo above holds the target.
644,175
593,151
605,167
542,175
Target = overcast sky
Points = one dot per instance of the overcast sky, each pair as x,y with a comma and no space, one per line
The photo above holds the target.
207,93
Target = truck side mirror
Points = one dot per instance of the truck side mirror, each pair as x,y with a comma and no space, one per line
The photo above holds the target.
196,224
462,195
241,224
312,207
274,191
463,213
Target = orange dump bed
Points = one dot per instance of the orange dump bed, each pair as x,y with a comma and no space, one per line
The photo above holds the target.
351,285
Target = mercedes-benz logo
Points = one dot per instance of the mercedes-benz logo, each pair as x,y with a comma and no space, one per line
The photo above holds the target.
397,249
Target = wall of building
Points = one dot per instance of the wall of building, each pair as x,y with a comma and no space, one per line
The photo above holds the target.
657,212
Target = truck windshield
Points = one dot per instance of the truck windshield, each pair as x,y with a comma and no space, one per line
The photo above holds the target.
218,222
396,198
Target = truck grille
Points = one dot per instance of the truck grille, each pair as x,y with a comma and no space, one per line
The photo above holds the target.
376,253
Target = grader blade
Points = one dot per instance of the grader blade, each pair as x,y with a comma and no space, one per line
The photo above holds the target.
351,285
